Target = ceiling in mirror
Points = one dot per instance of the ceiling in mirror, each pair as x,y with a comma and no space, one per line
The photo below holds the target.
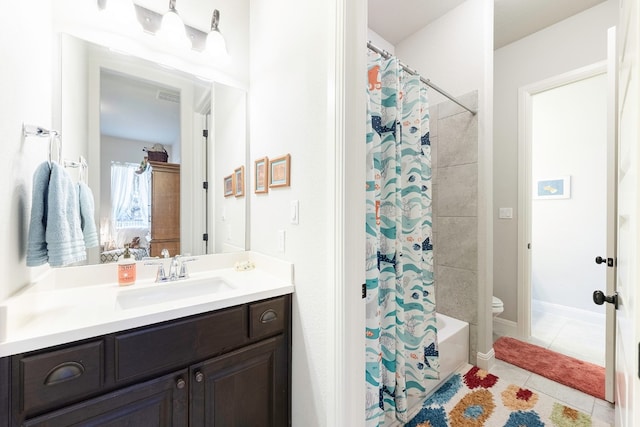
139,110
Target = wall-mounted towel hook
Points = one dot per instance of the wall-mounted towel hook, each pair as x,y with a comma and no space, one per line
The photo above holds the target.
33,130
39,131
82,164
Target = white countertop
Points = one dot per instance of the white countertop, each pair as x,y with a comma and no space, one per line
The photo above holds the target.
76,303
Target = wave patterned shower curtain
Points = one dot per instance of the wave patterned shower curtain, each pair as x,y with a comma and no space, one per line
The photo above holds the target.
401,328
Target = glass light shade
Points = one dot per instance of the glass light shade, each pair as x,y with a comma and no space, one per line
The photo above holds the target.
122,13
216,46
172,31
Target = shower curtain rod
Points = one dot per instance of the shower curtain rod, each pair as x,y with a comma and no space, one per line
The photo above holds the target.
387,55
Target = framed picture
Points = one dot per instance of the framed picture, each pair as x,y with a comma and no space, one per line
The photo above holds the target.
261,182
229,188
280,171
238,173
553,188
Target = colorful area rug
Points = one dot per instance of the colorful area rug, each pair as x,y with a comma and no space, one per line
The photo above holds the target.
577,374
473,397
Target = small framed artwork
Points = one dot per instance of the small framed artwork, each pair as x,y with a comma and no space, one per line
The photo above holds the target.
261,175
280,171
553,188
228,186
239,181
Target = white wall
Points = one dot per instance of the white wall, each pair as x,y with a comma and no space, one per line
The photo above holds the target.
450,51
380,42
574,43
291,108
26,88
569,126
456,53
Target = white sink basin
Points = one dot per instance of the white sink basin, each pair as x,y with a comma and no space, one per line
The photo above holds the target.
171,291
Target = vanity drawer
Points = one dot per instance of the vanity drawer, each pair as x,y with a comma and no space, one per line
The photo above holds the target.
267,317
60,376
164,347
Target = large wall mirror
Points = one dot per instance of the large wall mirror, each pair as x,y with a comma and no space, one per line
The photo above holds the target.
158,143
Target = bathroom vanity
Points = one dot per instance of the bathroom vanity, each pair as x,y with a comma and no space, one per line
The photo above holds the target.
215,359
228,367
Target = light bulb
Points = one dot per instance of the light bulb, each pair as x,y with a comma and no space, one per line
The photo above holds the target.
122,13
172,30
216,45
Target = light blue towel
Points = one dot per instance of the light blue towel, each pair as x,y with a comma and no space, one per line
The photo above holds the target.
65,241
36,243
87,221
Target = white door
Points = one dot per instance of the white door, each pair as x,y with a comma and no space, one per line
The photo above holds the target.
628,317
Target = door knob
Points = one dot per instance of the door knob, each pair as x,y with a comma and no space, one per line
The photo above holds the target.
600,298
608,261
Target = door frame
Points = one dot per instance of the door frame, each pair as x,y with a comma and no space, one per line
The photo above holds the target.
525,95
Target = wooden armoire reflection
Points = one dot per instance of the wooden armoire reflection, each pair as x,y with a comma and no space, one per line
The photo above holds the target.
165,208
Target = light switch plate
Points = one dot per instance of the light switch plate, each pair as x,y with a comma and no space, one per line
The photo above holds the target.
505,213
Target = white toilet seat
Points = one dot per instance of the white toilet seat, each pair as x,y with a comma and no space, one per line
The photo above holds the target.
497,306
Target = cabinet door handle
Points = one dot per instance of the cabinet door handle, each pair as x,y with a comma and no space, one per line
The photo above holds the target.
199,377
64,372
181,383
268,316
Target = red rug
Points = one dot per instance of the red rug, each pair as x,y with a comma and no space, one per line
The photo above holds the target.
577,374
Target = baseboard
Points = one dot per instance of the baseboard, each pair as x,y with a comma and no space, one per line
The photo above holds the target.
503,327
486,360
566,311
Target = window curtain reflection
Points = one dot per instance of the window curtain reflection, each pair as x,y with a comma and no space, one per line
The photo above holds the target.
401,341
130,196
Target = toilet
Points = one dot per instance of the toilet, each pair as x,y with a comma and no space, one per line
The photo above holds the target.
497,307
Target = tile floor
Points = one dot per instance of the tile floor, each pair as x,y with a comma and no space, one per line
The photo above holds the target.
582,338
573,337
598,409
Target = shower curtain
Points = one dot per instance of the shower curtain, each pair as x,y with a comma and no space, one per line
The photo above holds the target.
401,345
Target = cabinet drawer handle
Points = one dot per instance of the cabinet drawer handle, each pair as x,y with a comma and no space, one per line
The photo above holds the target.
181,384
64,372
199,377
268,316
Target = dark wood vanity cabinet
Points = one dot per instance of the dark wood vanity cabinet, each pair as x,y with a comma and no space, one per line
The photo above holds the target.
225,368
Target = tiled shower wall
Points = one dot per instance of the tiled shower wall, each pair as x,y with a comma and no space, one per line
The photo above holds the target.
454,145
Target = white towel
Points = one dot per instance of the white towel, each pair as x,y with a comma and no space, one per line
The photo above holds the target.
87,221
65,241
36,243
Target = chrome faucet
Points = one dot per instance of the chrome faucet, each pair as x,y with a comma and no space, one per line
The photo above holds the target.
177,268
160,275
174,268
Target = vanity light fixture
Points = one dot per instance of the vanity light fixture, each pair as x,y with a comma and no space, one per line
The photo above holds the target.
168,27
172,29
216,45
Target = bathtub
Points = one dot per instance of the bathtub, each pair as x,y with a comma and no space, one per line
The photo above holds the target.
453,345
